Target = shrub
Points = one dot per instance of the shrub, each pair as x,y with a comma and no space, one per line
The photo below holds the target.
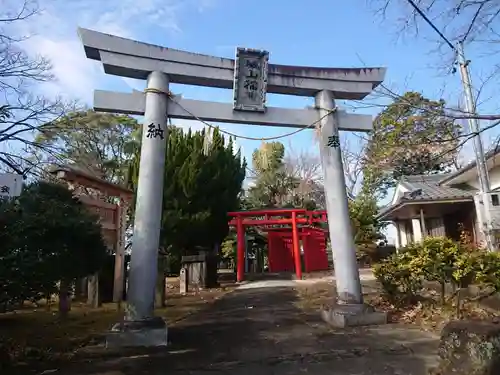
400,281
47,237
488,271
436,258
441,260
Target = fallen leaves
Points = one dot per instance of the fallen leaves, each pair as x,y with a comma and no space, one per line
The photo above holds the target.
35,335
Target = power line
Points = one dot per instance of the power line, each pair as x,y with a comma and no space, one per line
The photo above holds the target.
472,22
431,24
437,158
484,184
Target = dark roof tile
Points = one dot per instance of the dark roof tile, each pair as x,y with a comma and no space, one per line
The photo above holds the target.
422,187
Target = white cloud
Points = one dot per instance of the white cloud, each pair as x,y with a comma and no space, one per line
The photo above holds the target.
75,76
205,4
53,34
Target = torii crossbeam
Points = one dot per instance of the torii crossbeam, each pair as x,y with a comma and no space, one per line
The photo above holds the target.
251,77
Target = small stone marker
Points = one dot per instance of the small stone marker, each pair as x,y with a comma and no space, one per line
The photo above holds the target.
183,280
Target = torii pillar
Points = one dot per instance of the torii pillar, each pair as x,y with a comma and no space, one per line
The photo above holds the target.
250,77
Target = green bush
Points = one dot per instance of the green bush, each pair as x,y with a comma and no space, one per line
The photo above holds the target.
441,260
400,281
488,270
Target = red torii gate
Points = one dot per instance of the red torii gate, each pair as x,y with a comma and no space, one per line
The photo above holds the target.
240,219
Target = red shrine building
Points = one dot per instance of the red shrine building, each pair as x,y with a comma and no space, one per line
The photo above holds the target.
294,237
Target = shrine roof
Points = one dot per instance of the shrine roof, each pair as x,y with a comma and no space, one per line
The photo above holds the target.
84,178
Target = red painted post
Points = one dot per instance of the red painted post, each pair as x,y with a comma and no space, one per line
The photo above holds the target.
240,249
296,247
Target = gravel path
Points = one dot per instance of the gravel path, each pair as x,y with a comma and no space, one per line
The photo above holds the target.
261,331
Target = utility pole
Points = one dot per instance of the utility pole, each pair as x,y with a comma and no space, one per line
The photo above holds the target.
484,181
483,208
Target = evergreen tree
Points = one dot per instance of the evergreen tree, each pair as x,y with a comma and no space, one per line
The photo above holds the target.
411,136
101,144
274,185
46,236
201,186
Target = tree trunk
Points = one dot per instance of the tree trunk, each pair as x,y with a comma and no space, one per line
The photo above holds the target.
93,297
64,298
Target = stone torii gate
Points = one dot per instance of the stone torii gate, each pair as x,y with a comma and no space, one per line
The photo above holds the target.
251,77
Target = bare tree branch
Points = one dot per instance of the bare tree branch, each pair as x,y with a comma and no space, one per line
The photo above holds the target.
18,70
22,114
455,113
472,20
468,21
304,165
27,9
305,168
352,158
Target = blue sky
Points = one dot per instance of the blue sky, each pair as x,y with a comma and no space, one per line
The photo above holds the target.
295,32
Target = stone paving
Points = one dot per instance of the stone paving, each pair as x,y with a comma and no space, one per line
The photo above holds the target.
364,275
261,331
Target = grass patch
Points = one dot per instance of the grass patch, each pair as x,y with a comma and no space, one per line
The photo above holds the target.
322,294
31,336
39,335
315,296
428,314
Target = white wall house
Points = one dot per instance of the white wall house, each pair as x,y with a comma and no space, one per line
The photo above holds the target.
443,204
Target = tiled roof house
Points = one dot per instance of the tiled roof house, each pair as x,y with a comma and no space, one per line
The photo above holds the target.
442,204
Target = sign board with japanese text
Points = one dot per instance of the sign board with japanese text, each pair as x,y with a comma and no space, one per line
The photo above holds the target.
11,185
250,80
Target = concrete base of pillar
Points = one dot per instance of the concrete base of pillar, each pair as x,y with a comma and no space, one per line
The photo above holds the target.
144,333
342,316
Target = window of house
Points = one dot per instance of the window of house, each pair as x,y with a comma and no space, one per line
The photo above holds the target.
494,200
